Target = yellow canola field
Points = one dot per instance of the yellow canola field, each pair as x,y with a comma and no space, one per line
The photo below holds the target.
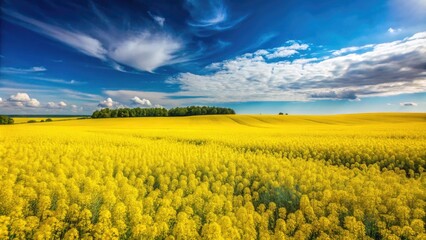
38,119
215,177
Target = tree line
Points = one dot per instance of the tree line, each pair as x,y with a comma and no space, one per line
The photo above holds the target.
160,112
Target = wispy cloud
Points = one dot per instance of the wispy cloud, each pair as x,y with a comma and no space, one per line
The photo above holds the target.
77,95
60,81
210,15
146,51
143,50
35,73
264,38
158,19
79,41
12,70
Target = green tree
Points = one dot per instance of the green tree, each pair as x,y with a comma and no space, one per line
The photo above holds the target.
6,120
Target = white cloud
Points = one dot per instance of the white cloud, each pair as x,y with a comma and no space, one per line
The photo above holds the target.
146,51
109,103
23,100
53,105
408,104
1,100
19,97
142,102
380,70
159,20
394,30
33,103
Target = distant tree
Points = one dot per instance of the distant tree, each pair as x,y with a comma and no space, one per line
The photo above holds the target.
6,120
280,113
49,120
32,121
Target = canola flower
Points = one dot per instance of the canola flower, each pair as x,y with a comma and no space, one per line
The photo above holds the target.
215,177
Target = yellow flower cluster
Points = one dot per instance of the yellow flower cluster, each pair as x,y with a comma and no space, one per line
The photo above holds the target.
215,177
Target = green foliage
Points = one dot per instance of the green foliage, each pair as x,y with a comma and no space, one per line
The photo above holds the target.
6,120
31,121
160,112
48,120
129,112
197,110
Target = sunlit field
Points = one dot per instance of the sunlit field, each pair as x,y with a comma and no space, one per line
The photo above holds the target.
358,176
38,119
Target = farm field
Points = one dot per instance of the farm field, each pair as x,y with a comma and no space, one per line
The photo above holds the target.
38,119
356,176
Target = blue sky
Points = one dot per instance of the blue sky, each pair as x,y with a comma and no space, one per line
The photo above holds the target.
300,57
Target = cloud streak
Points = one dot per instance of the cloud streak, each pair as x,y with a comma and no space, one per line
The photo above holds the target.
12,70
159,20
210,16
79,41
